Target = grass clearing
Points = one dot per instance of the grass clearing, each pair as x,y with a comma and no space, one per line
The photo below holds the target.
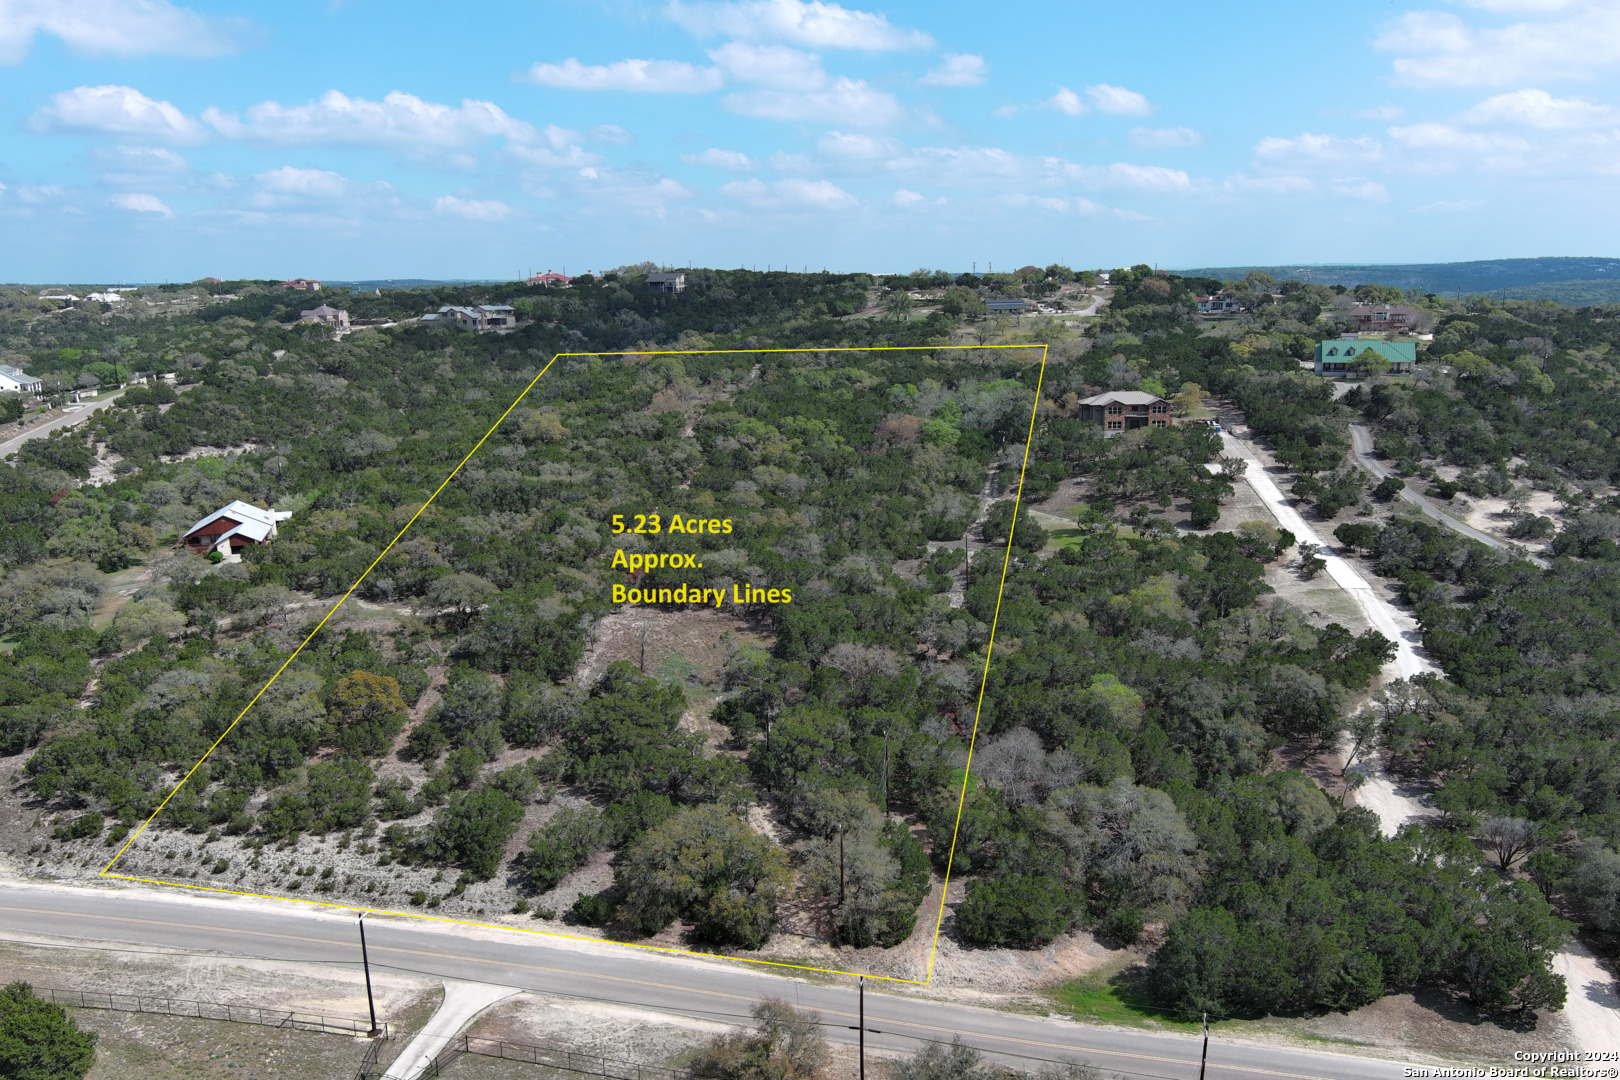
1116,996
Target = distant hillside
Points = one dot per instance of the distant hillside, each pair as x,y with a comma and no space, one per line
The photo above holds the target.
1565,279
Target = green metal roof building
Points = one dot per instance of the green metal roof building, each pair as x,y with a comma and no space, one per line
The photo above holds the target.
1334,357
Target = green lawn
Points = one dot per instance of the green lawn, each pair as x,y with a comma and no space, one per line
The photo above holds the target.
1116,998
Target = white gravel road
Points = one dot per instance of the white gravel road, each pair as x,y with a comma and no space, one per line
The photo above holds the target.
1593,1007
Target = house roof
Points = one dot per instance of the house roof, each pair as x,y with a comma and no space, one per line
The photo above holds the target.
666,276
16,374
1122,397
255,524
1390,350
324,311
1393,309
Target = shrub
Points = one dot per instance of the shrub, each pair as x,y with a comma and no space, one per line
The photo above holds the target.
1388,488
418,898
1017,910
1205,512
37,1039
593,910
562,846
1123,925
80,828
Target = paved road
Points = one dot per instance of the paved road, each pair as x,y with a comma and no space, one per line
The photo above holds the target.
66,420
1363,455
599,971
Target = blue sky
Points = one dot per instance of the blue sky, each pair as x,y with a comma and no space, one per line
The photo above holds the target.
150,140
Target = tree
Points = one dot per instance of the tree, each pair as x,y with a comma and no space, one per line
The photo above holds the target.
1387,488
786,1044
1511,837
942,1061
1370,363
141,620
898,304
464,594
360,697
1024,912
38,1041
472,831
708,865
563,845
1311,562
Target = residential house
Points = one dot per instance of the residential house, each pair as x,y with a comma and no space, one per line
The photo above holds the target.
108,297
670,283
233,527
302,285
547,278
1016,307
1218,305
1126,410
1383,317
1334,357
484,319
58,296
326,315
15,381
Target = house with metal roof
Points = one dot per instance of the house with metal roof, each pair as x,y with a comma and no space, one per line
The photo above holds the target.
16,381
485,318
233,527
1125,410
1335,357
667,282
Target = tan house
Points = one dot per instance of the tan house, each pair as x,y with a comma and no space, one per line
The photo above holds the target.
326,315
1126,410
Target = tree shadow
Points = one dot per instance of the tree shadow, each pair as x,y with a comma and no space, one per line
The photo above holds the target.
1454,1006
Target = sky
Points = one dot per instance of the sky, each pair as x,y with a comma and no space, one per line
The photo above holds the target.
151,140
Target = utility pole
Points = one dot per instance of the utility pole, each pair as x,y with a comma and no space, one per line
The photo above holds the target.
840,867
863,1027
365,960
1203,1058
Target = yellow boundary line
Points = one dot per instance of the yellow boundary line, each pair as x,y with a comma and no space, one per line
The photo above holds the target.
984,679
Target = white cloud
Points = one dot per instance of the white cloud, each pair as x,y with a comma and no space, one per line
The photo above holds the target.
716,158
141,204
849,147
803,22
1430,136
612,134
1450,206
1309,149
137,165
1068,102
472,209
1118,101
302,183
1355,187
116,28
402,123
1539,109
554,148
1434,48
776,66
635,76
958,69
115,110
907,199
1155,138
1148,177
790,194
1269,185
846,101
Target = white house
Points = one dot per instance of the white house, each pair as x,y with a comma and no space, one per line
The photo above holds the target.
670,283
106,297
233,527
485,318
14,381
